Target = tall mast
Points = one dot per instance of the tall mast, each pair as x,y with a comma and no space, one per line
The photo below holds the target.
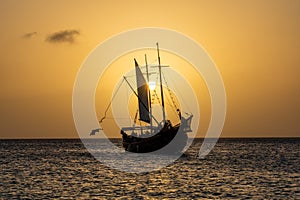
150,107
161,87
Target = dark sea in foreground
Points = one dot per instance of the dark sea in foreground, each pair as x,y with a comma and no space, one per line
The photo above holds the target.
235,168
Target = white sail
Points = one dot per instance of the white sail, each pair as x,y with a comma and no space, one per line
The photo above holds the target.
143,92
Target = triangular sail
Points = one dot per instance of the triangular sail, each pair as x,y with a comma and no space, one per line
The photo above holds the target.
143,92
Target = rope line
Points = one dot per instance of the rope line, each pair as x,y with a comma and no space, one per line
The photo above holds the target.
101,120
170,92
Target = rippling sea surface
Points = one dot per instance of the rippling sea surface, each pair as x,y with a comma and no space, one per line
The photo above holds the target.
235,168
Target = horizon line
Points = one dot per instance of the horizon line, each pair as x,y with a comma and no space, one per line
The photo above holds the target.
77,138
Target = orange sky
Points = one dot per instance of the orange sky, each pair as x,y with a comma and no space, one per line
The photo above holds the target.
255,44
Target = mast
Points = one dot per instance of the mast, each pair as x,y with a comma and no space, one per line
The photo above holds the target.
150,106
161,87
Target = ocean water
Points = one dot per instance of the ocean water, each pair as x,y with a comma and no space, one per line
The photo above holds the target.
235,168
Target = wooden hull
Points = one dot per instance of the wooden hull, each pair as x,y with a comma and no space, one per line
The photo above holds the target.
155,142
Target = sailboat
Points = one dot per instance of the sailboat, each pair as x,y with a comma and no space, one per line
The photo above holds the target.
163,132
155,134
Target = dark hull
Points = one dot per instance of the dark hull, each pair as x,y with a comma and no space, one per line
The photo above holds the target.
156,142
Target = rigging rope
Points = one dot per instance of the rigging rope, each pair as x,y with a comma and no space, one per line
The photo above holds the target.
179,93
157,97
101,120
170,92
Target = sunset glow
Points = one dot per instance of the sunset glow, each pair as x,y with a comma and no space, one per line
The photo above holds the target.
152,85
254,44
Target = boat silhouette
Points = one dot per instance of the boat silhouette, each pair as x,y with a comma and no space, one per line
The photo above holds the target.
155,134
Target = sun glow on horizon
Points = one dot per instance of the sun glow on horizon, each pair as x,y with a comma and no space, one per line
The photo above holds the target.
255,46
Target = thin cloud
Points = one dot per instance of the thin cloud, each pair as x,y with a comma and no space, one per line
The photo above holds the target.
29,35
67,36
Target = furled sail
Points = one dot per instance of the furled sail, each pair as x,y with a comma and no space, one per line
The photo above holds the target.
143,91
